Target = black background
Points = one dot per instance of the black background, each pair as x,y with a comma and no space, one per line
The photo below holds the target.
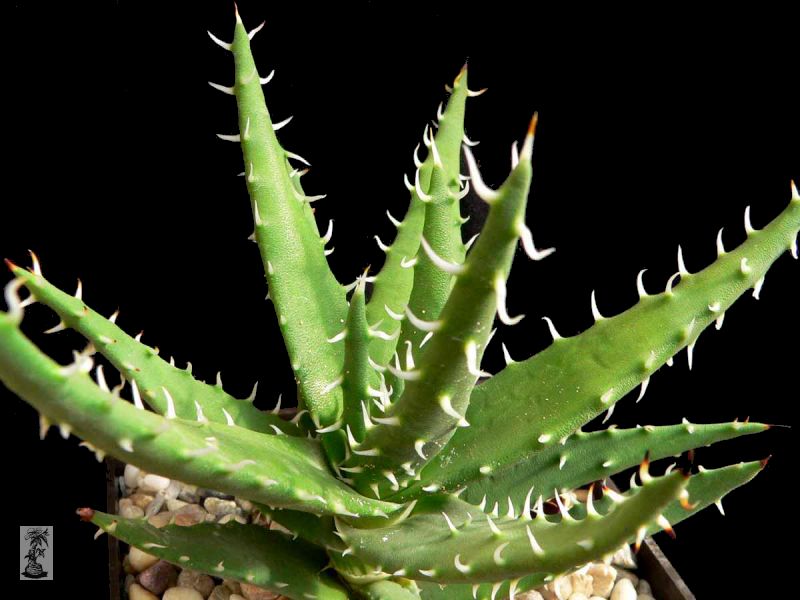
655,130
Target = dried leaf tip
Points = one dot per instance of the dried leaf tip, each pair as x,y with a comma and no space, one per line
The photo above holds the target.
86,514
10,264
765,461
527,146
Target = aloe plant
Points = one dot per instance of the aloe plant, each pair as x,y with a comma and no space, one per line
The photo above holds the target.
408,471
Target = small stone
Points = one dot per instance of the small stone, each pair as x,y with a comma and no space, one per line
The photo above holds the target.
644,587
137,592
237,597
174,505
188,493
245,505
172,490
153,483
644,597
597,598
624,558
625,574
218,507
158,577
141,500
161,519
129,581
220,592
191,514
131,476
228,518
561,587
140,560
581,584
126,566
233,586
196,580
253,592
603,578
531,595
624,590
579,596
129,510
182,593
155,506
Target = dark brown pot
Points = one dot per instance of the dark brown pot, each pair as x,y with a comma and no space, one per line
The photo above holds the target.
653,565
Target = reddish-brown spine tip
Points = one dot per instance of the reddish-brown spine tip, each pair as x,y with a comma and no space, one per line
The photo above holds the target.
670,531
10,264
532,124
86,514
765,461
637,546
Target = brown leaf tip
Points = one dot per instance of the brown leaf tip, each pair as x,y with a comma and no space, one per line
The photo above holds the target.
86,514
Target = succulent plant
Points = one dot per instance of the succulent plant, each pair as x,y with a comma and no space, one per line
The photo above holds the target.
407,471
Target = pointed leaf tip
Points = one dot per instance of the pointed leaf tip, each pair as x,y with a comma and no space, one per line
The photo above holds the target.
765,461
533,123
12,266
86,514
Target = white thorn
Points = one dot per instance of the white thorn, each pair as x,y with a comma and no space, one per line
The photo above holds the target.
590,509
595,311
297,157
251,34
670,282
537,549
199,410
506,355
745,268
720,245
715,307
471,241
407,263
526,508
370,452
332,385
562,509
79,291
670,360
512,589
643,389
338,337
222,88
228,418
409,357
476,93
690,353
471,351
393,315
417,161
447,407
502,312
450,525
498,560
219,42
424,340
235,137
418,445
562,461
438,261
681,264
267,79
61,326
219,379
514,155
757,288
381,245
437,160
468,141
418,189
462,194
390,421
552,328
382,335
718,504
689,426
795,195
368,424
281,125
420,323
126,444
793,248
511,513
640,284
427,572
494,528
748,225
425,136
483,191
718,322
409,186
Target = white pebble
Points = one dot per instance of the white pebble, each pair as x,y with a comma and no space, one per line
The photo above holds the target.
624,590
182,593
624,558
561,587
174,505
129,510
154,483
131,476
137,592
603,578
581,584
597,598
579,596
172,490
625,574
140,560
236,597
644,587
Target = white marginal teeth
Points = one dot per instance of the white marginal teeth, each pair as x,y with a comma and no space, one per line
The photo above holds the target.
267,79
418,188
483,191
502,313
252,33
446,266
222,88
527,243
219,42
681,264
420,323
471,351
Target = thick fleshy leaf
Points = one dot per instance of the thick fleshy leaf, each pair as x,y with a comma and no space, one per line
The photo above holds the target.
246,553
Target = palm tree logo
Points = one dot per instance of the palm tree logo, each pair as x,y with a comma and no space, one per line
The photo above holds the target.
37,543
